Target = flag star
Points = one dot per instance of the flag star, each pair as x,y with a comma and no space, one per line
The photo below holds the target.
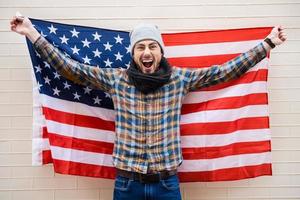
97,100
54,44
97,53
52,29
75,50
108,46
66,85
76,96
56,75
87,90
128,64
86,60
119,39
97,36
42,34
37,54
107,62
67,55
107,95
39,86
46,64
128,49
118,56
86,43
74,33
64,39
38,68
47,80
56,91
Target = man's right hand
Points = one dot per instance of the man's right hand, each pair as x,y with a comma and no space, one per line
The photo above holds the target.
23,26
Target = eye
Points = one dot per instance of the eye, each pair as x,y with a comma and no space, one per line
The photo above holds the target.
140,47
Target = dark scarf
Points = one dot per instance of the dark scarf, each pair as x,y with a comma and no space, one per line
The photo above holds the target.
147,83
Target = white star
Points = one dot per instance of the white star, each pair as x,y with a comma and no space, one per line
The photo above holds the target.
86,60
107,63
75,50
119,39
128,64
86,43
37,54
52,29
47,80
56,91
39,86
96,36
97,53
38,68
64,39
67,55
66,85
54,44
118,56
74,33
46,64
87,90
97,100
128,49
76,96
107,95
56,75
42,34
107,46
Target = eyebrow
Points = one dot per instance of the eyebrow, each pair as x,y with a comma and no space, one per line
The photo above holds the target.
152,43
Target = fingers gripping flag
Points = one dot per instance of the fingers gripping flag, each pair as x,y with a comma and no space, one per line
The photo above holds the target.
225,131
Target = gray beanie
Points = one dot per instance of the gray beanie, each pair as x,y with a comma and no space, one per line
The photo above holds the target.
143,32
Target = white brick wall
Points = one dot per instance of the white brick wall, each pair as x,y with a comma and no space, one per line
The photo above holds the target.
20,181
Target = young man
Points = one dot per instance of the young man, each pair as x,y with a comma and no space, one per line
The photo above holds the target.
147,99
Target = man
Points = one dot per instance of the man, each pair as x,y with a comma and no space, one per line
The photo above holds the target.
147,99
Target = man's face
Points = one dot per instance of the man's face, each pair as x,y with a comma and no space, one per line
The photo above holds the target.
147,55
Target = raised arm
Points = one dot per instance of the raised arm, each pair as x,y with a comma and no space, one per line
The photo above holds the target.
69,68
236,67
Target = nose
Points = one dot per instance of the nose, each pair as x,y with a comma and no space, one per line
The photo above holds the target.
146,51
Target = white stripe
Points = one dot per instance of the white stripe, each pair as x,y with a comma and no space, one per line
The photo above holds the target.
225,139
81,156
80,132
210,49
225,115
187,165
232,91
38,146
225,162
77,108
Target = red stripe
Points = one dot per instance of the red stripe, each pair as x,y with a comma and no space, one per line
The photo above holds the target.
259,75
46,157
228,150
201,61
209,128
81,169
228,174
80,144
226,103
44,132
234,35
78,120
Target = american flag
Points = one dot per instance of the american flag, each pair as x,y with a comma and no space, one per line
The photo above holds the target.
224,128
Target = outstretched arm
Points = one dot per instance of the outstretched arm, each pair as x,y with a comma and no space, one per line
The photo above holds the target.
69,68
234,68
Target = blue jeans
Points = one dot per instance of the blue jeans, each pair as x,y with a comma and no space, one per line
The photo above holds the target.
128,189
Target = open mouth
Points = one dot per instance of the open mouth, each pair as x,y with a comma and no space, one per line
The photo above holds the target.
147,64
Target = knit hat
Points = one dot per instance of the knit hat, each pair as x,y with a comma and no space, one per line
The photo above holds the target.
143,32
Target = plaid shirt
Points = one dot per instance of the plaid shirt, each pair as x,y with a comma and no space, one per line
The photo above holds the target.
147,126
